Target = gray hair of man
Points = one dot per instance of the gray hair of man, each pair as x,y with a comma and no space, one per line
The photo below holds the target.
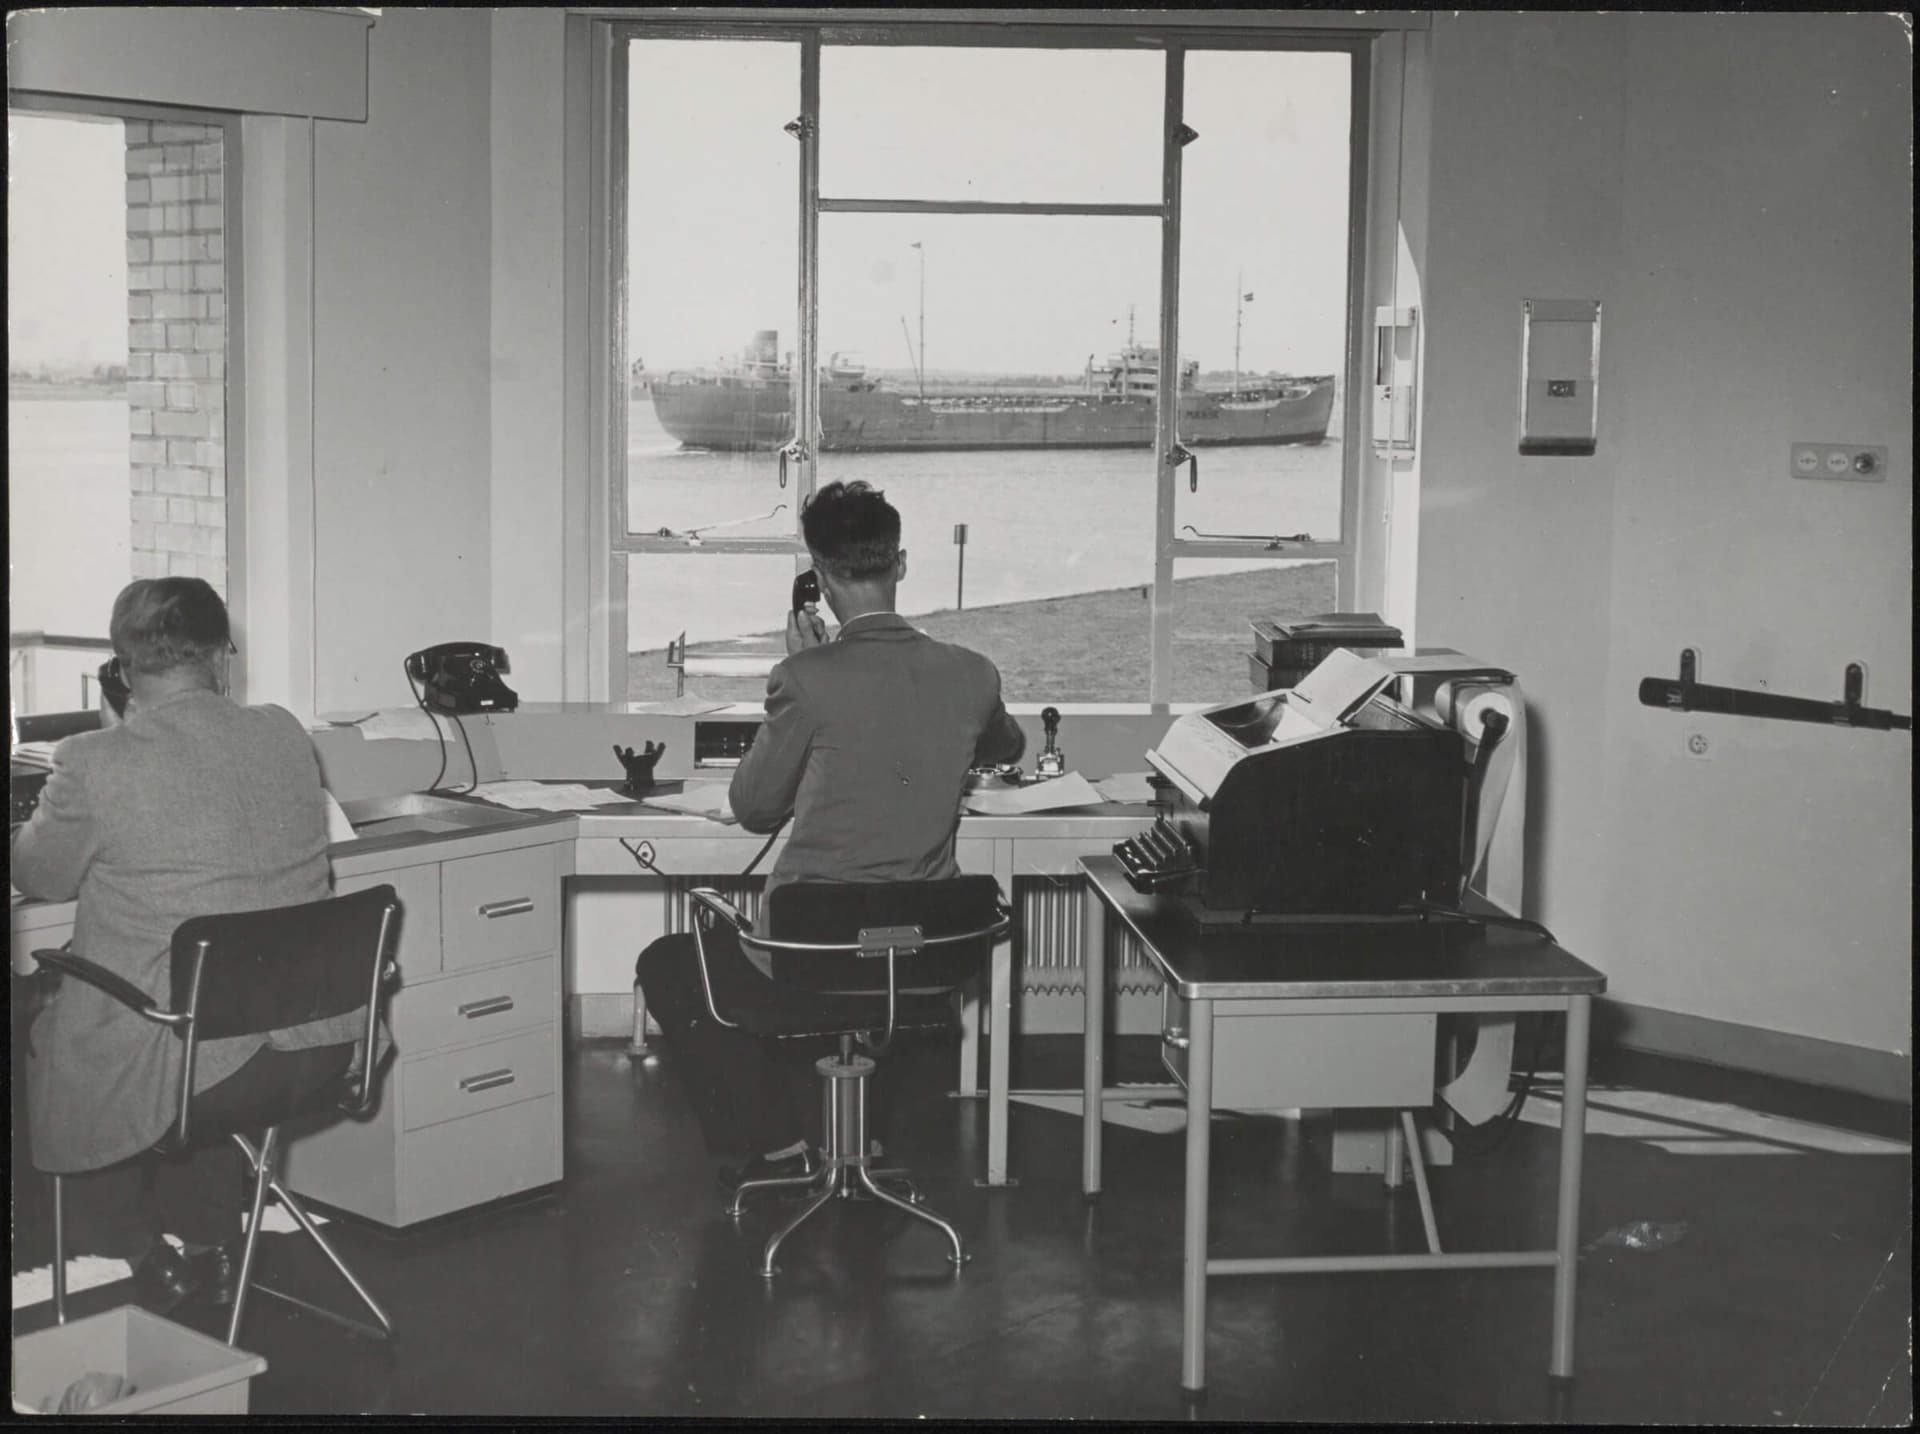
171,626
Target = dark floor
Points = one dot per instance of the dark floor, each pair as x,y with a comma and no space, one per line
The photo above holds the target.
627,1292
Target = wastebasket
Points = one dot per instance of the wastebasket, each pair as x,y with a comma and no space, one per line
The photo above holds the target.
173,1369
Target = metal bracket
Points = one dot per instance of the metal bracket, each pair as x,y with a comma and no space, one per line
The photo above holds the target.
801,127
1184,135
886,940
1689,664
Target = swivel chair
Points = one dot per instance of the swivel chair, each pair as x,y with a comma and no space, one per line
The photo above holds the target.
247,974
861,961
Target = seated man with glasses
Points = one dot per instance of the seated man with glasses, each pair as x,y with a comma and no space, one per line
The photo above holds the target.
188,804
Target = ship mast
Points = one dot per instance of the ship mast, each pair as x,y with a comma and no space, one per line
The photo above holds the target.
920,250
1239,289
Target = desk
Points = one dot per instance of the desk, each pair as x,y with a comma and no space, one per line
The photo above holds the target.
1037,844
1383,968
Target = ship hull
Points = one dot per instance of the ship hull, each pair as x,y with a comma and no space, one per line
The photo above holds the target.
725,415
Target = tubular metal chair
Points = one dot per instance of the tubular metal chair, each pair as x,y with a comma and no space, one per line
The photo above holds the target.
244,974
860,961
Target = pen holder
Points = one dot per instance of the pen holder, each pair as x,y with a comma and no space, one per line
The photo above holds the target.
639,766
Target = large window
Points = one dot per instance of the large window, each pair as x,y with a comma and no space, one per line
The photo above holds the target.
1085,310
117,323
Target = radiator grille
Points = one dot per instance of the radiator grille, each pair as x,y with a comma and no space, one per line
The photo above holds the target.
1048,924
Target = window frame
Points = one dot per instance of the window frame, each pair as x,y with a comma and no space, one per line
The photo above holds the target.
234,320
622,546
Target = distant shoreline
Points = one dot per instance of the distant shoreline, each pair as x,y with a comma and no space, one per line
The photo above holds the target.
69,389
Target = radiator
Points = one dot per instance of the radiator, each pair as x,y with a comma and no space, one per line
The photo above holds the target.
1048,912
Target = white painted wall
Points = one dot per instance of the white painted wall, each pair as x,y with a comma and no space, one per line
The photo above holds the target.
1735,190
402,377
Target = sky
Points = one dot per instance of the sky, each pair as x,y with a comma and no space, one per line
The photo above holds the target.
714,230
66,242
713,243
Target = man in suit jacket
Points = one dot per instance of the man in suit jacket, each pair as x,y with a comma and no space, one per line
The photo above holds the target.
865,748
191,805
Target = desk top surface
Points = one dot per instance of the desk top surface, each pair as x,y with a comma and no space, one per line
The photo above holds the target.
1323,960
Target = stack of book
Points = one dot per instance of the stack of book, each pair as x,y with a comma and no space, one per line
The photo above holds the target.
1285,652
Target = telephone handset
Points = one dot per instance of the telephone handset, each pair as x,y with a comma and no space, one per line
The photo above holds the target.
806,589
463,677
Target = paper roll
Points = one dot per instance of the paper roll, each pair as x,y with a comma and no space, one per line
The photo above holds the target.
1466,704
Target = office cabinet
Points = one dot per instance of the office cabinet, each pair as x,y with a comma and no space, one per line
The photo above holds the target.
469,1107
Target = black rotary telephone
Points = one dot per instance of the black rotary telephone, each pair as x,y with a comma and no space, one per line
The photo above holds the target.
463,678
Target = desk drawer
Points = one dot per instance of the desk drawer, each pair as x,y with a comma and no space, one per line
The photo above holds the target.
459,1163
499,907
476,1005
1324,1062
477,1078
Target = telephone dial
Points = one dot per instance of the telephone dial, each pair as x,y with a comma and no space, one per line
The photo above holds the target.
463,678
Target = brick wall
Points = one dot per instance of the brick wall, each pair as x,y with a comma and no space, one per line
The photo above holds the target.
176,350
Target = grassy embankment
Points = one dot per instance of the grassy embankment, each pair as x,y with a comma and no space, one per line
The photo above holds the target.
1090,647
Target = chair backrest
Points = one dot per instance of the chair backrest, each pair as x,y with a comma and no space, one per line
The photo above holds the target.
267,970
835,913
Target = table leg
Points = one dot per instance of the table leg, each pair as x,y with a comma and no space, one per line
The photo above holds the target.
1193,1299
1093,1026
1573,1128
1000,1023
970,1007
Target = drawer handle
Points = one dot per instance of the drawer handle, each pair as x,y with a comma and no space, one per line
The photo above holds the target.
487,1080
507,908
1176,1037
473,1010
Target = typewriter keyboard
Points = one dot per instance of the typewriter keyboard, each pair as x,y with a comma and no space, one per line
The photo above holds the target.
1157,857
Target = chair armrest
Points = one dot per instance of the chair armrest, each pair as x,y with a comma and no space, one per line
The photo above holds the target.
115,985
714,904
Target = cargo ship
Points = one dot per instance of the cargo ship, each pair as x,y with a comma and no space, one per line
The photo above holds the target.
749,406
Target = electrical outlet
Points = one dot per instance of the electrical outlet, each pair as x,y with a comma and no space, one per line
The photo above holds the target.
1854,462
1698,746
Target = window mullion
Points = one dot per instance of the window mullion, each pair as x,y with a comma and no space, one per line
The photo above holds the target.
806,383
1167,405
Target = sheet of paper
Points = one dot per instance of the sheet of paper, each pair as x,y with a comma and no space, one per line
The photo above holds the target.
1125,787
548,796
404,724
698,799
1072,790
685,706
1336,688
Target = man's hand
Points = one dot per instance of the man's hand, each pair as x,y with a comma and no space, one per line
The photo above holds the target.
804,629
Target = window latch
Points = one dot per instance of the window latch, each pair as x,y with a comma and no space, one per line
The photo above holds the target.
800,127
1179,454
795,450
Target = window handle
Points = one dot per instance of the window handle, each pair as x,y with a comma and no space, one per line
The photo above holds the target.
795,450
1179,454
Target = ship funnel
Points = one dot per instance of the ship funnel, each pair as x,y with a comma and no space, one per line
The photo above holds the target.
765,347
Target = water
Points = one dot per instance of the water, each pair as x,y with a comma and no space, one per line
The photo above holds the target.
1040,523
69,529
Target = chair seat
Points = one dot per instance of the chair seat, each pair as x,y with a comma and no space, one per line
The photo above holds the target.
802,1014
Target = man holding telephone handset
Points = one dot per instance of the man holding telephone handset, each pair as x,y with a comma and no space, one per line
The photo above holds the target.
866,745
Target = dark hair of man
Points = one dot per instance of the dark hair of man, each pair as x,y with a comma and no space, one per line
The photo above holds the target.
852,530
162,624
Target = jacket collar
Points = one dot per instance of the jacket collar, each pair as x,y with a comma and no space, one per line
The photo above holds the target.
872,624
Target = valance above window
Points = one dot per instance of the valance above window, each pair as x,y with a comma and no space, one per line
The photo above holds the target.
253,61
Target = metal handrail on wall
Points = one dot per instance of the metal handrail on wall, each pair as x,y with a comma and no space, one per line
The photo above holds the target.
23,650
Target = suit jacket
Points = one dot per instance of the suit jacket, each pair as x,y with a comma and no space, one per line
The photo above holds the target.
193,806
866,746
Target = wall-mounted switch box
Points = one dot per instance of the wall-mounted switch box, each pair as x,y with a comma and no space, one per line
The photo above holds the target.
1852,462
1559,376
